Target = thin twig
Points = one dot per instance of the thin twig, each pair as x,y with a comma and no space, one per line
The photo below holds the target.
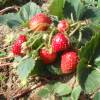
72,18
8,8
77,27
50,37
74,24
6,57
25,91
5,64
45,79
73,84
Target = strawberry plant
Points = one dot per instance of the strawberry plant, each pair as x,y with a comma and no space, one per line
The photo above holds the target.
61,43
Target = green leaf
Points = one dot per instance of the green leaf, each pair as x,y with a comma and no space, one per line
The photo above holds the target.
78,7
92,13
40,69
95,25
94,16
24,69
18,59
91,2
10,19
65,98
68,9
55,88
88,50
98,3
22,17
97,61
89,76
89,79
55,7
28,10
61,89
55,68
76,93
44,93
97,96
95,19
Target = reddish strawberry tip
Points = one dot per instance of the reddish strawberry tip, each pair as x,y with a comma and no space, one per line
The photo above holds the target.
23,37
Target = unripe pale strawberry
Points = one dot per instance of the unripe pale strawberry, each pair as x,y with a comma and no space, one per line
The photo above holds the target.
40,22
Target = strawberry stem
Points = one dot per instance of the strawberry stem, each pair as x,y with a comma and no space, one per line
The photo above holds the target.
74,24
80,36
38,37
77,27
50,37
40,46
35,52
72,18
32,39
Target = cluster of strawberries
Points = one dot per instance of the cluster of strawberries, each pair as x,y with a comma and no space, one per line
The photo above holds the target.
59,43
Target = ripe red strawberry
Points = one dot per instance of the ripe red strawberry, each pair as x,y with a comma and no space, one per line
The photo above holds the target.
40,22
63,26
22,38
46,56
16,48
69,61
60,42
